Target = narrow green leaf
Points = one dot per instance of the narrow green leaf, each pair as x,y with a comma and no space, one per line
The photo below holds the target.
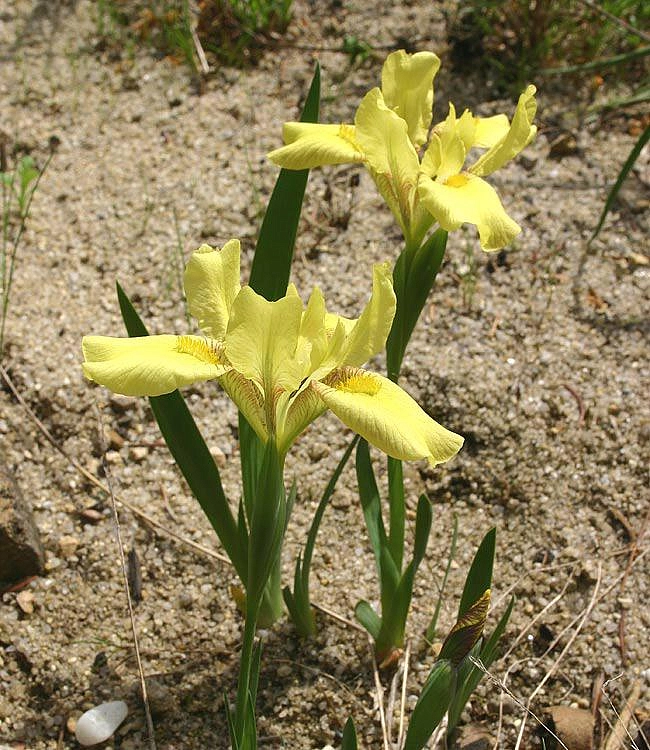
395,607
397,511
190,452
370,500
603,62
622,175
275,243
368,618
423,521
322,505
230,721
298,602
490,649
255,672
249,733
389,578
430,634
349,740
251,451
414,275
431,706
479,578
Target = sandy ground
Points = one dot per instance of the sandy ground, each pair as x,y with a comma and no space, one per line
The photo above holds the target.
538,356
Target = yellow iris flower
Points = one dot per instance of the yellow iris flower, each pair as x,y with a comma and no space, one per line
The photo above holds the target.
391,127
281,363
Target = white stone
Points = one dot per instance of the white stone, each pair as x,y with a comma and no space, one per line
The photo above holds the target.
99,723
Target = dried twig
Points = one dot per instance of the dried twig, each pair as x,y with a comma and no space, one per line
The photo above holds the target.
168,507
402,706
339,618
585,616
200,53
390,707
540,614
579,401
620,729
125,574
506,691
380,697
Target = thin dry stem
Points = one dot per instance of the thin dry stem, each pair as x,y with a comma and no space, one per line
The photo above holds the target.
587,611
506,690
127,590
540,614
620,730
380,697
402,705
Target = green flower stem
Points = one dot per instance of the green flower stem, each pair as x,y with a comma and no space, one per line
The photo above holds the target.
396,345
396,511
245,662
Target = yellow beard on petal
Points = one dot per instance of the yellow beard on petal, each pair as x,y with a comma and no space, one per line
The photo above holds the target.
207,350
457,180
357,382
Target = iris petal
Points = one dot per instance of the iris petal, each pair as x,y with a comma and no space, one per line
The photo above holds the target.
407,87
151,365
520,134
465,198
386,416
211,284
316,145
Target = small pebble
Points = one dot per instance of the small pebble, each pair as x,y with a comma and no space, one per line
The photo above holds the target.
100,723
68,545
138,453
219,456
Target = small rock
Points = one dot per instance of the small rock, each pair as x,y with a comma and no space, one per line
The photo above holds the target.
120,404
21,551
574,726
219,456
138,453
113,457
100,723
161,698
565,144
115,440
68,545
318,451
475,737
527,162
71,723
25,600
90,515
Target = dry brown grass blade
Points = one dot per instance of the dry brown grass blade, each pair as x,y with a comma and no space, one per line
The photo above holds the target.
620,730
585,616
505,690
127,590
402,706
380,696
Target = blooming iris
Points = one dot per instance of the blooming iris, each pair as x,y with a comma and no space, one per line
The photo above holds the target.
282,364
390,129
